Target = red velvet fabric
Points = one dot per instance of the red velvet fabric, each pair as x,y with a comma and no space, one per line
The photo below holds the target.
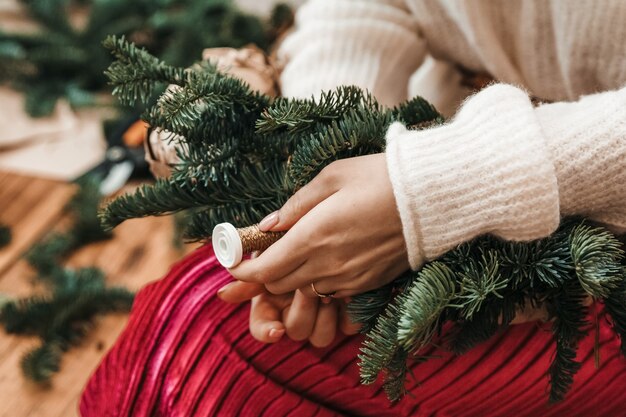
186,353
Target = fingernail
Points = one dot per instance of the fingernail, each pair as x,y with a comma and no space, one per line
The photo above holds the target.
224,288
277,334
327,300
269,221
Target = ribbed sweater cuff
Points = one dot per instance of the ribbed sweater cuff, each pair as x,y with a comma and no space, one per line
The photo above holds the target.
487,171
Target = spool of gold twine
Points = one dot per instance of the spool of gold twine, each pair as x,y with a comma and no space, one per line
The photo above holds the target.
253,239
230,244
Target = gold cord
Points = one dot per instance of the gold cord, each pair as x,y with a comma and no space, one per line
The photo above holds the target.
253,239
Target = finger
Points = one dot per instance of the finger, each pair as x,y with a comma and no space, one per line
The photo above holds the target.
301,278
284,256
321,290
325,328
334,287
346,325
336,282
299,204
300,320
311,291
265,324
280,259
343,286
237,292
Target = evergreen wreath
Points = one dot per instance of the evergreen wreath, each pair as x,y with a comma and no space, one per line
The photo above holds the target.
243,154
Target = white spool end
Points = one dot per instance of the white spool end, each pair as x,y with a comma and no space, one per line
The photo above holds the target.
227,245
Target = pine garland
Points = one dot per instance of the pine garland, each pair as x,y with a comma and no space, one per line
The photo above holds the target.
60,60
62,315
244,154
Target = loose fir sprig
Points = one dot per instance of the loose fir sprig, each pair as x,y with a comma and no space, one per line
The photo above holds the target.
61,316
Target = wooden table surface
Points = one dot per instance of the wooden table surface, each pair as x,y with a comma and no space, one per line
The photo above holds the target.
141,251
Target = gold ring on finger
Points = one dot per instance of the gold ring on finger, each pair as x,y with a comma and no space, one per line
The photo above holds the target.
322,295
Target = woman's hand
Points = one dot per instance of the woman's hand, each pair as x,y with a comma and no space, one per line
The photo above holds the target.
299,316
344,234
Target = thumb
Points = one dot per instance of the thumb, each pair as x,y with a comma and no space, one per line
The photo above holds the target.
238,291
299,204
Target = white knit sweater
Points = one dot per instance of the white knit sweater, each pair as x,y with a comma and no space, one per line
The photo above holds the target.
501,165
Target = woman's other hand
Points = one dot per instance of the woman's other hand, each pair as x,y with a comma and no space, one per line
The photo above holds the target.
295,314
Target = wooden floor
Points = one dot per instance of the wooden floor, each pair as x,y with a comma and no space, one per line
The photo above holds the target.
141,251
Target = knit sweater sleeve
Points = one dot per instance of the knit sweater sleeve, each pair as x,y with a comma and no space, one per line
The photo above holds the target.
371,44
504,167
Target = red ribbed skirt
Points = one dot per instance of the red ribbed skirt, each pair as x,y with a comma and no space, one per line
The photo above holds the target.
186,353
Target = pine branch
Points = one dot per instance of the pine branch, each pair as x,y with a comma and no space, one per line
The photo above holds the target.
361,132
136,73
299,115
532,269
163,197
569,327
80,280
61,321
201,223
423,303
380,352
42,362
494,316
86,304
53,13
365,308
46,256
57,55
61,316
84,207
208,163
380,345
66,326
168,196
480,280
394,383
28,316
417,113
40,100
596,255
562,370
36,315
207,102
541,263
